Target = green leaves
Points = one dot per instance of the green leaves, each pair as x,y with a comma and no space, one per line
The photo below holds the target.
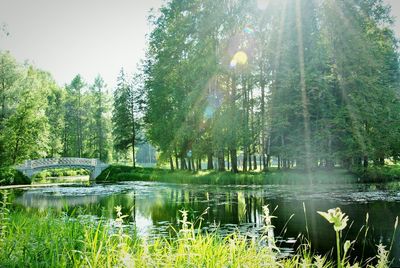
319,89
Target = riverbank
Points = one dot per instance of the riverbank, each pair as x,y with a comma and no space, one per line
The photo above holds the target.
57,239
378,174
115,173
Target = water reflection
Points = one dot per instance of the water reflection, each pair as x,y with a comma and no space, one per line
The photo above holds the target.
154,209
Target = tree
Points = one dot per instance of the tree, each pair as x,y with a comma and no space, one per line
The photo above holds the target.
125,115
26,131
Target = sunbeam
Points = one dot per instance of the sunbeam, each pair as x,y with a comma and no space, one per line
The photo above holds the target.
304,98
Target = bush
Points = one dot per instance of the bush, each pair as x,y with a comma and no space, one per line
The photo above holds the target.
60,172
11,176
116,173
378,173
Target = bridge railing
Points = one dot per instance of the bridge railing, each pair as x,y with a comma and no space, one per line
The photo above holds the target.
64,161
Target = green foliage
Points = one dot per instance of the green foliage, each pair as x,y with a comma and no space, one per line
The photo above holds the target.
378,173
10,176
40,119
315,90
50,239
126,124
115,173
61,172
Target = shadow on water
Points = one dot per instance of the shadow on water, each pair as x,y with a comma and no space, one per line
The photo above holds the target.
155,207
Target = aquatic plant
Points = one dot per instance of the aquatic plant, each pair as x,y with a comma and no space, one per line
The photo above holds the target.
339,221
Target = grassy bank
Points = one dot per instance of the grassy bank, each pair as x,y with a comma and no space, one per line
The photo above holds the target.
378,173
50,239
11,176
116,173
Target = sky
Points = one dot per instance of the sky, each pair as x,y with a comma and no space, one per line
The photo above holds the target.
87,37
67,37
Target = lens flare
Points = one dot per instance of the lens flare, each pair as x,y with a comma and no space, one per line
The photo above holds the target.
240,58
262,4
248,30
209,112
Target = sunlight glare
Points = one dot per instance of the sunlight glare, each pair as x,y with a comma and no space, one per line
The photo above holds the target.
262,4
209,112
248,30
240,58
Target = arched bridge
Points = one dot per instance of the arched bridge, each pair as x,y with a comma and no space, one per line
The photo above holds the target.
32,167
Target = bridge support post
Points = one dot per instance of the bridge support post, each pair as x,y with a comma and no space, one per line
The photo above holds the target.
95,173
28,172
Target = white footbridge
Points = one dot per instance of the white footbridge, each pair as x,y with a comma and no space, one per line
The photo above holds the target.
32,167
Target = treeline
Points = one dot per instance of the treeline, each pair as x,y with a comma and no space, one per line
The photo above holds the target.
308,83
39,119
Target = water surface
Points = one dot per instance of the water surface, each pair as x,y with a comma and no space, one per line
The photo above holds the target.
154,209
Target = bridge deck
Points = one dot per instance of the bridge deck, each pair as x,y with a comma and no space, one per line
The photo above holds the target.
31,167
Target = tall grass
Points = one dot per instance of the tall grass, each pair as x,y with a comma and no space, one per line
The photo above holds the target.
56,240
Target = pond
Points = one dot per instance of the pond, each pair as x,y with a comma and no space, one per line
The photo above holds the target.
154,209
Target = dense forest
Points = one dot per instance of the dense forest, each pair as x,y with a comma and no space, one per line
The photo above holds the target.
303,83
39,119
311,83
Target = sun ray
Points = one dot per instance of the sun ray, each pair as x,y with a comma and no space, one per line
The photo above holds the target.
304,98
352,111
277,60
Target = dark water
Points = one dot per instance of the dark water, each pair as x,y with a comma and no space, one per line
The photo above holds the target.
154,208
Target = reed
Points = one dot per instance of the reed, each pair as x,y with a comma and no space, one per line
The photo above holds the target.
53,239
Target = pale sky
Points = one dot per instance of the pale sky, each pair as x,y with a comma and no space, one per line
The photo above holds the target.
89,37
67,37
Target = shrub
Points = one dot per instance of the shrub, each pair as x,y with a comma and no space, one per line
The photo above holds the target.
11,176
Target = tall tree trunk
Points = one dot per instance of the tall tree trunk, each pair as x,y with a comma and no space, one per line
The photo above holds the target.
279,162
133,147
365,160
199,164
249,162
233,153
176,159
268,160
228,159
221,160
263,128
210,165
101,141
171,163
244,159
79,126
183,163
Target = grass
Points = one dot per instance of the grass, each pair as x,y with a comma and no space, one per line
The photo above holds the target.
378,174
116,173
51,239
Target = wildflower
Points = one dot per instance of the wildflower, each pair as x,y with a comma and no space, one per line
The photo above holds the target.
337,217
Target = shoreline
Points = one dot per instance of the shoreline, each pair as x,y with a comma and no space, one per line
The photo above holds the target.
37,185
